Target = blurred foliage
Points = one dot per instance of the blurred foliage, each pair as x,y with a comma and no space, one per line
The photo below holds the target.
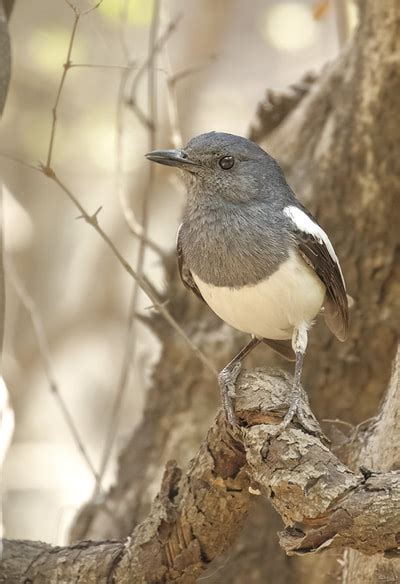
137,12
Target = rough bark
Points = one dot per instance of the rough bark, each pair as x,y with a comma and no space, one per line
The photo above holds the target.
343,164
382,455
198,514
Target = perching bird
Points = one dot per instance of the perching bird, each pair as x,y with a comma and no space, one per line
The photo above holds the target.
254,254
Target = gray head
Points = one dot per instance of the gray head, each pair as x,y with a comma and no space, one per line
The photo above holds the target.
223,165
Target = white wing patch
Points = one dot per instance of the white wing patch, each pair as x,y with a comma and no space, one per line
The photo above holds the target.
305,224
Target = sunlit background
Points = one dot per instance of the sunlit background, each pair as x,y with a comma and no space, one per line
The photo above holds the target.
231,52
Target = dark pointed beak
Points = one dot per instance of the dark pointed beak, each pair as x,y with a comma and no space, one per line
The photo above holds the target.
171,158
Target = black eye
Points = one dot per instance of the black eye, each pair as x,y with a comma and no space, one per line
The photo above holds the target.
226,162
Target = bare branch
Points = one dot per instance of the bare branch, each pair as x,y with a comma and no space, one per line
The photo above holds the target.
380,454
18,160
78,12
66,67
61,86
174,79
45,355
130,346
144,283
198,514
158,46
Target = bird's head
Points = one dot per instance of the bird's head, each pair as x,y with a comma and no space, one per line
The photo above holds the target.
225,165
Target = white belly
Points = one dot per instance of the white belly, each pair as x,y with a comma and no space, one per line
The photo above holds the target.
272,308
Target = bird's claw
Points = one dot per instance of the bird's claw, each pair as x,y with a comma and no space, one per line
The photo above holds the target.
309,424
227,383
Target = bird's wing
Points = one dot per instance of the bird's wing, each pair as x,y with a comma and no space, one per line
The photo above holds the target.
284,348
185,273
317,251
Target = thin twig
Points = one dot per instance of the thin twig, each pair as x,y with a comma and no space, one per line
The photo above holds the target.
131,341
97,66
147,288
45,354
18,160
112,67
340,422
144,283
188,71
126,209
134,227
61,85
172,105
66,67
147,63
172,101
92,220
78,12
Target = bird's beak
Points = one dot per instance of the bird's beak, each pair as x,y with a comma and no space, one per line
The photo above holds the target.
171,158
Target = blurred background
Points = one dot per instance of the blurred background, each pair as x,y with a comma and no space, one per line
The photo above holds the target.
122,95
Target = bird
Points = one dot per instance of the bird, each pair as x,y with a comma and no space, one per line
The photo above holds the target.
254,254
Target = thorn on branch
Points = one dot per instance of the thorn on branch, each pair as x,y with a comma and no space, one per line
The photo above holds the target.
47,170
156,307
79,13
92,219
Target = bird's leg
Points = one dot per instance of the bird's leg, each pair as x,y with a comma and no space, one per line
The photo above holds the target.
227,380
299,344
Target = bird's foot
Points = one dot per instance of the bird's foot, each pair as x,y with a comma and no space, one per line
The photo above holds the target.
227,383
306,421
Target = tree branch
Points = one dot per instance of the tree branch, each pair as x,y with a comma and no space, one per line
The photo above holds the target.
197,515
381,454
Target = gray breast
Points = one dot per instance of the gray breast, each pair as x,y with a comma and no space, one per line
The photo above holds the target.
234,245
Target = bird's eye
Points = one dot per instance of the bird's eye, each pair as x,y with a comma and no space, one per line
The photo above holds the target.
226,162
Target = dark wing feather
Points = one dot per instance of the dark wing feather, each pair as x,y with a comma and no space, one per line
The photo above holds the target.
185,273
284,348
316,254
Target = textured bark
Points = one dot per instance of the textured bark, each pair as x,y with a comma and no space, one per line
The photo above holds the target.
197,515
382,455
344,165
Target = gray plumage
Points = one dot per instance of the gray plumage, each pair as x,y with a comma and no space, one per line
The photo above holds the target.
249,249
233,230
